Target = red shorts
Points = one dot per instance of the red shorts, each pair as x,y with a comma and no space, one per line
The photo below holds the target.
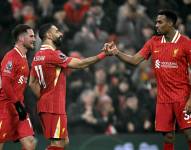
54,125
168,113
11,128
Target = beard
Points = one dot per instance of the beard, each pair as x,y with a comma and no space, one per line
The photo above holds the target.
58,42
30,47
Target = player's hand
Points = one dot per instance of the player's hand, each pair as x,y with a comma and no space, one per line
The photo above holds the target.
20,110
110,49
188,107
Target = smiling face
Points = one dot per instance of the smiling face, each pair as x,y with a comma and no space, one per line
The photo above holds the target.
163,25
29,39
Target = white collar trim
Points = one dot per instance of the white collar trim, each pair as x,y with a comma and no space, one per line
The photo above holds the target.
23,56
44,47
174,40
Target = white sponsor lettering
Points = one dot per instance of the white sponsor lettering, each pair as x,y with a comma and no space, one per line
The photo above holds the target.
39,58
157,63
162,64
22,79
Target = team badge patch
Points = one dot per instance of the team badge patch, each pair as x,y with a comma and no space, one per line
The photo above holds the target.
9,67
63,57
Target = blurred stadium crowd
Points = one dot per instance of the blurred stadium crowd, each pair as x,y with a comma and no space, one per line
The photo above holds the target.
110,97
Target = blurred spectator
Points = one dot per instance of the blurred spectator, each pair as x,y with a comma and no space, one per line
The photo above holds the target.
188,25
59,19
29,16
101,86
90,39
109,19
105,108
7,22
45,10
147,99
135,118
96,11
75,12
78,80
131,18
17,6
83,117
147,32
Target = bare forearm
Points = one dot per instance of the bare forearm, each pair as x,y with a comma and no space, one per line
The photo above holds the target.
134,60
83,63
35,86
126,58
88,61
35,89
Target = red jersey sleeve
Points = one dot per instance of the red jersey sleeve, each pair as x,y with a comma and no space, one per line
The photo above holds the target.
8,67
8,88
146,50
59,59
8,71
188,51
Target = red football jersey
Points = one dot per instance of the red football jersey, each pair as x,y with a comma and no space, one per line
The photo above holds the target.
49,67
170,61
15,66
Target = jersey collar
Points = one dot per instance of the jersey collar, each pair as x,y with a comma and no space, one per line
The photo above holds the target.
44,47
174,40
23,56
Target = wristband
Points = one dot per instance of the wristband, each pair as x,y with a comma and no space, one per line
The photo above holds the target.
101,55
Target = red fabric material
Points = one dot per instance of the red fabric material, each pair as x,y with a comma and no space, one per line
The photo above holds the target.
101,55
170,64
14,74
12,128
50,125
75,16
50,68
165,116
8,88
16,5
168,146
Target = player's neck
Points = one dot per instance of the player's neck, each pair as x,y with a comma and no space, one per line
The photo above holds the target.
21,49
49,44
170,35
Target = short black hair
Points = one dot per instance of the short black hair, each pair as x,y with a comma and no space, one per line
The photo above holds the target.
18,30
44,29
171,15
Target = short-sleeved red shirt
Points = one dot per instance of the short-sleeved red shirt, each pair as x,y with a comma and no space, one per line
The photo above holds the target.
50,67
15,66
170,61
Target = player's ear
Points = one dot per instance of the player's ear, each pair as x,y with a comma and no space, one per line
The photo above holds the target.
21,38
170,23
49,35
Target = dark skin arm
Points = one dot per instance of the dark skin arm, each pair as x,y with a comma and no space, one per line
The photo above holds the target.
35,86
112,49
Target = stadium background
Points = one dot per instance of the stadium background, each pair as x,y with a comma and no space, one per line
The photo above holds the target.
122,97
